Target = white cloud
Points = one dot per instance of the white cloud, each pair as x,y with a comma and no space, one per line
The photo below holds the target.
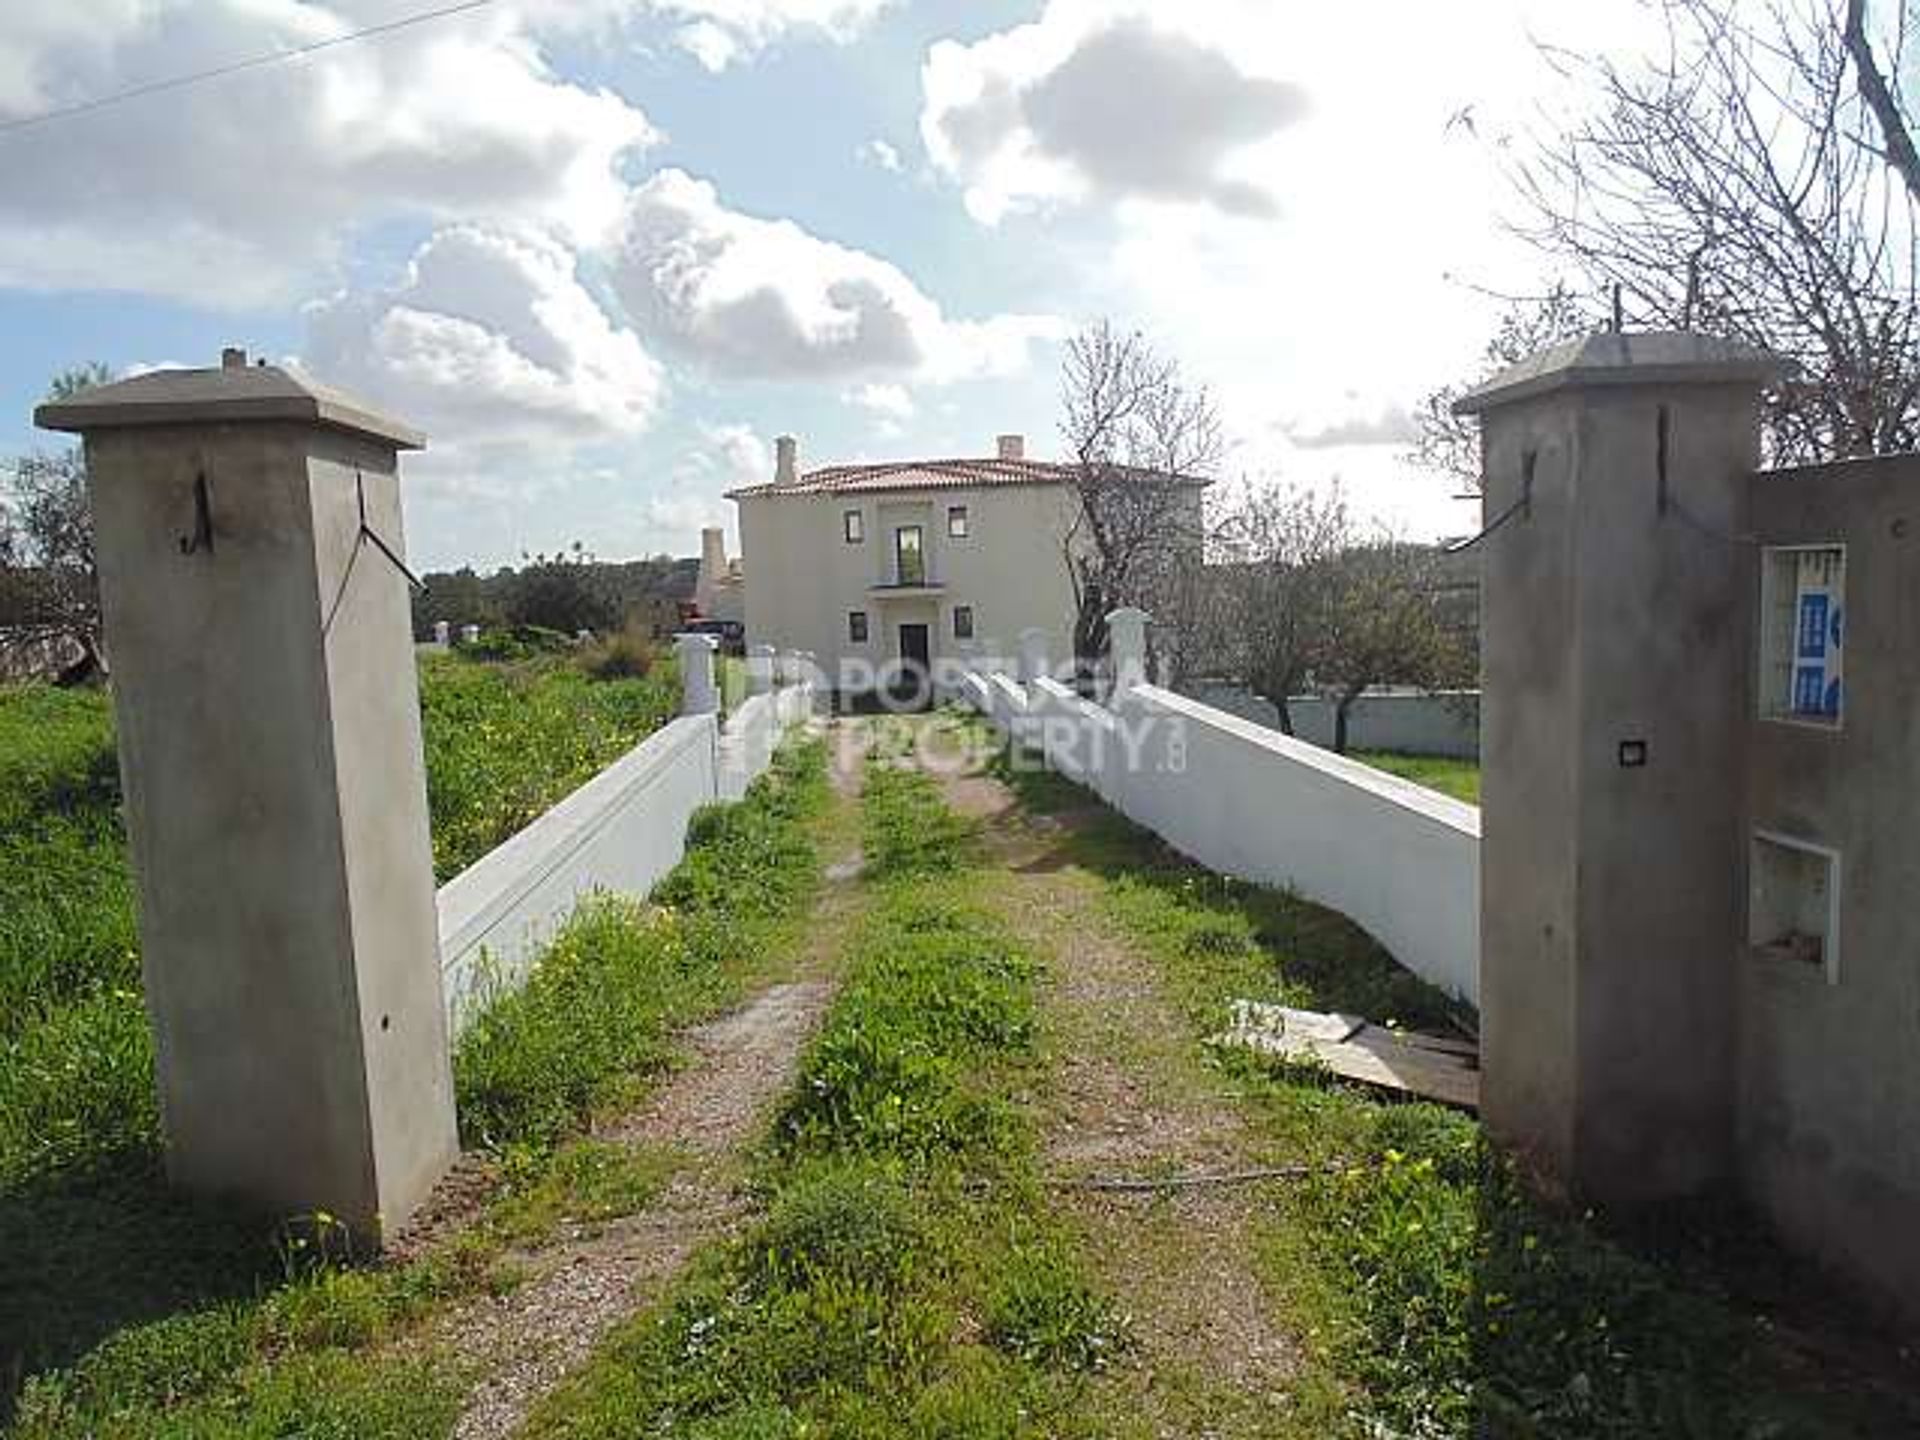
1351,280
1102,101
489,342
716,33
727,457
1389,424
242,192
890,402
719,33
882,154
753,297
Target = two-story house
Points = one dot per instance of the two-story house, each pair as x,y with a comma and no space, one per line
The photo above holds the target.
884,571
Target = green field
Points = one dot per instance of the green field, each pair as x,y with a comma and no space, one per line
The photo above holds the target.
503,743
1458,778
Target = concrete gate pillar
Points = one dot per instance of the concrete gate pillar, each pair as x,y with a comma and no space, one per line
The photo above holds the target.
248,532
699,695
1615,639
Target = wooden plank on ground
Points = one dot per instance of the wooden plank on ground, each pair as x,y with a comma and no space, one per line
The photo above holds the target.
1444,1070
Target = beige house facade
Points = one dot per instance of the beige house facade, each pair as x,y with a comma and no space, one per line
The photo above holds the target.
887,571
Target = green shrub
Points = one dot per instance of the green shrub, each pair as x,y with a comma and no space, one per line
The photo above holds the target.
627,654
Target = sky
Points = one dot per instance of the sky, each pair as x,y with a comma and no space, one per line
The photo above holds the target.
604,251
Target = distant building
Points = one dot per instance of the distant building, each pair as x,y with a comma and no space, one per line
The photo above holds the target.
887,570
717,591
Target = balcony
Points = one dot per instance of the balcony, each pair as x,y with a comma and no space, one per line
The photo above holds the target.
922,588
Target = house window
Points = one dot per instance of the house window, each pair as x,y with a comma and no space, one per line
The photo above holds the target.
853,526
963,622
857,626
956,522
1802,632
909,556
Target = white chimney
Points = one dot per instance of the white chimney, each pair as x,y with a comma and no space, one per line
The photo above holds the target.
786,467
1013,447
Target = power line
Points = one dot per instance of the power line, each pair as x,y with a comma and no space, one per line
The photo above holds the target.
256,62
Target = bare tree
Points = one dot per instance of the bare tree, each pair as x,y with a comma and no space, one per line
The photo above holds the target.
1450,444
1274,587
1383,621
1882,95
49,584
1140,436
1727,186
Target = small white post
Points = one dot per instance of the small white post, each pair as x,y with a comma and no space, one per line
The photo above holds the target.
442,633
699,694
1033,655
1127,644
762,669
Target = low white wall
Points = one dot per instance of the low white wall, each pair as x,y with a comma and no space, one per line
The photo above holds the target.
1245,800
621,831
1443,722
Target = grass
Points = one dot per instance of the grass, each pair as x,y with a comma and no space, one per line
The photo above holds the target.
905,1278
1433,1293
1458,778
505,742
135,1312
599,1010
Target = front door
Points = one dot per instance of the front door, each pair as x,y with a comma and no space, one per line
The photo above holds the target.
914,688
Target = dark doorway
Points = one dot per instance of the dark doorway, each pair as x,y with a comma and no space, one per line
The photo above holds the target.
913,687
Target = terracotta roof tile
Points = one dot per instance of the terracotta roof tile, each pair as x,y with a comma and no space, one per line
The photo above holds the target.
915,475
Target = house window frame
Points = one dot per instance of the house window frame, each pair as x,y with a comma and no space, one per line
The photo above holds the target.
853,527
900,533
960,631
959,522
859,632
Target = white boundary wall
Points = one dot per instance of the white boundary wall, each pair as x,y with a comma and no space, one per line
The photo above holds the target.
622,831
1442,722
1245,800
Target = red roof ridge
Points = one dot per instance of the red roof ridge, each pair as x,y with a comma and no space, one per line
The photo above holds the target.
894,475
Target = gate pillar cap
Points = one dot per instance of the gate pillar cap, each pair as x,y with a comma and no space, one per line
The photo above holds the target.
231,393
1653,357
